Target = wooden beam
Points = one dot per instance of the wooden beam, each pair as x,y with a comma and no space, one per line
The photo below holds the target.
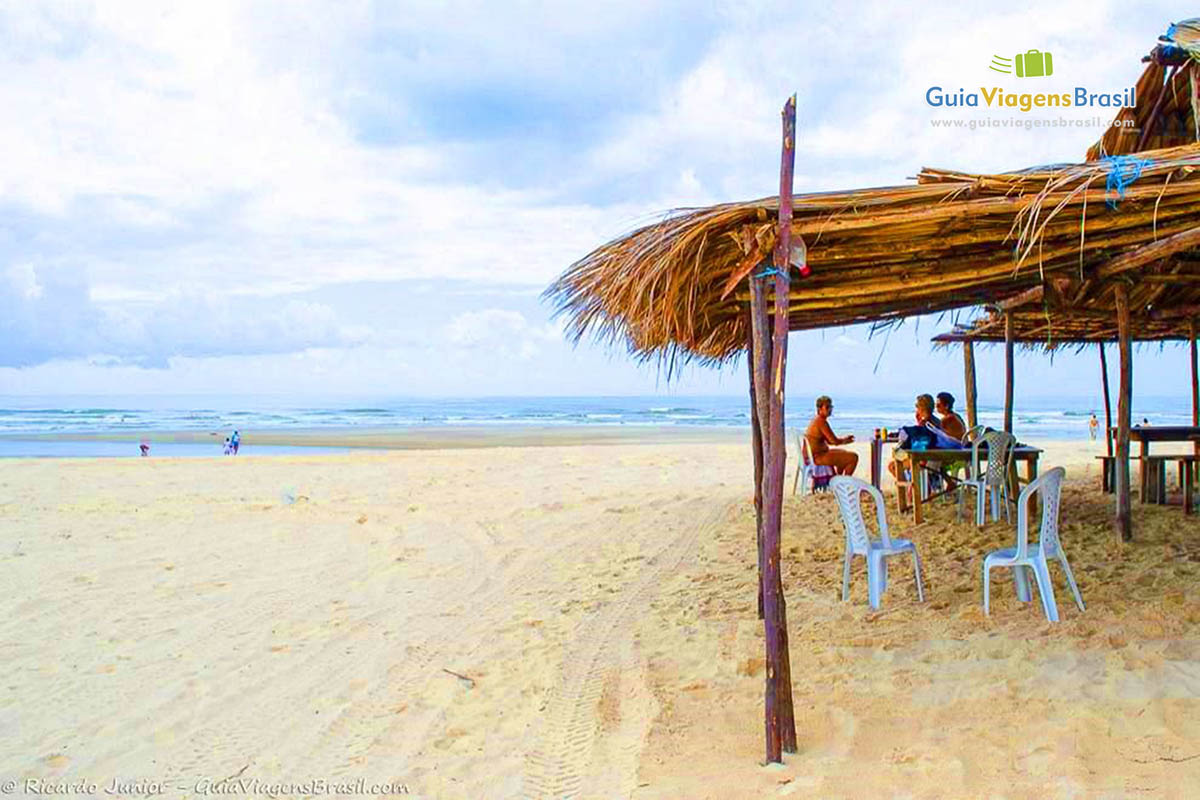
968,349
1108,442
756,440
1057,289
1084,287
992,322
1033,295
1123,521
1148,125
780,717
1160,288
1184,279
1179,312
1148,253
1008,373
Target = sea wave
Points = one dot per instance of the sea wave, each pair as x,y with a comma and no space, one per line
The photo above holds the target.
1065,419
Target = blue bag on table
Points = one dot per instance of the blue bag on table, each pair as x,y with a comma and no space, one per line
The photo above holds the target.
916,437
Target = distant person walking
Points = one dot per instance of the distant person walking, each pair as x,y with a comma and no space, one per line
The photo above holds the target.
228,446
1093,426
145,448
235,441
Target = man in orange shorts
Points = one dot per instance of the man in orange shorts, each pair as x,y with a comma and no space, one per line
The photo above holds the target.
820,436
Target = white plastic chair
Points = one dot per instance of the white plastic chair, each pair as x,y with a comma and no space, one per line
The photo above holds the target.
993,482
848,491
808,474
1034,557
973,434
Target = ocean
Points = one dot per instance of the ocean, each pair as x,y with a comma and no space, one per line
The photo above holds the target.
26,421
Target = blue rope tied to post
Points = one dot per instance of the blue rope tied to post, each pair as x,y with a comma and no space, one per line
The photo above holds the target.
768,272
1122,171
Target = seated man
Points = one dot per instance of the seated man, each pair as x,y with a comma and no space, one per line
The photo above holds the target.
952,424
820,436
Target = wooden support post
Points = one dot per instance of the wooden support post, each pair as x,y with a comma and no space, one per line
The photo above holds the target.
969,379
761,370
756,440
780,718
1108,442
1124,523
1008,372
1195,385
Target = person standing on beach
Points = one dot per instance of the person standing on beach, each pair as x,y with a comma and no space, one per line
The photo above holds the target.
1093,426
820,436
228,447
235,441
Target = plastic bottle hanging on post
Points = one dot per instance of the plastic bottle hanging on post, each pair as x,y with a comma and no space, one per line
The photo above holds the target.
799,257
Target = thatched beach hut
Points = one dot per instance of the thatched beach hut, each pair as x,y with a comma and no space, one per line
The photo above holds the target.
1113,243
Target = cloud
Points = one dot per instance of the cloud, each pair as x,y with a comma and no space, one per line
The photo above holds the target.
200,181
505,333
45,317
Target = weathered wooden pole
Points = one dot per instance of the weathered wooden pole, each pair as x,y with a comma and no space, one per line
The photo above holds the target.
756,436
1008,372
1195,385
761,348
1124,523
780,720
969,378
1108,442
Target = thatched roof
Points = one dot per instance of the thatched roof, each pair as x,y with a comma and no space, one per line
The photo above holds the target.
1045,324
1168,98
1163,293
678,289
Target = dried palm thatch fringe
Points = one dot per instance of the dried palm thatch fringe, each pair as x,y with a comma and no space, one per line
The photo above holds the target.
676,290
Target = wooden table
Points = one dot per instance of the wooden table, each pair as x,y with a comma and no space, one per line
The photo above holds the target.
877,458
1152,472
914,460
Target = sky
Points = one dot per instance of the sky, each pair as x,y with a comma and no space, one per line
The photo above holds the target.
369,199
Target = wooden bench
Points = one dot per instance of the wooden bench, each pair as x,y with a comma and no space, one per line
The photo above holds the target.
1153,477
1108,477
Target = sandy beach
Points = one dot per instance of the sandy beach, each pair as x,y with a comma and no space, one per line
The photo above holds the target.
567,620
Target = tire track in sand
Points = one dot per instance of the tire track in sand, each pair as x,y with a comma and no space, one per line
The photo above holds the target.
597,716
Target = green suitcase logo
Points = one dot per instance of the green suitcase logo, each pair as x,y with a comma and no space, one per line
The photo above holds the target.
1034,64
